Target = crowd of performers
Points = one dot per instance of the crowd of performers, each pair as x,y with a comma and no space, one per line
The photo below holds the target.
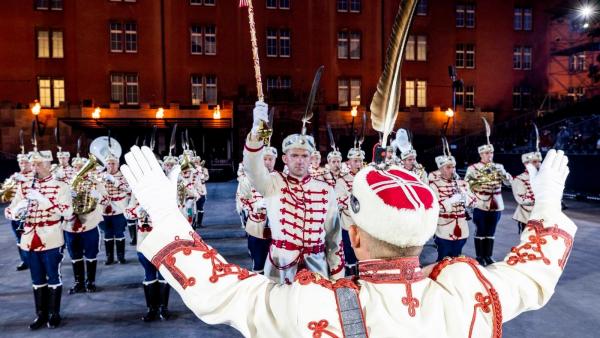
73,204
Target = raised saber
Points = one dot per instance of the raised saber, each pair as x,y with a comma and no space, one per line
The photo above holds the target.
255,57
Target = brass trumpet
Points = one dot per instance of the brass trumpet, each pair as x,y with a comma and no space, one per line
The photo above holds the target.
8,190
488,175
83,202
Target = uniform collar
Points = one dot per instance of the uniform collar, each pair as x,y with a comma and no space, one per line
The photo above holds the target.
294,180
389,271
45,179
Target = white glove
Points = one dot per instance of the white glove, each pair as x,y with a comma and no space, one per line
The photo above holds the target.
95,194
155,192
19,177
548,183
139,211
59,174
35,195
456,198
73,194
110,178
20,208
262,204
260,113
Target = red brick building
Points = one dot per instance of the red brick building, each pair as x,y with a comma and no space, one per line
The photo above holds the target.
130,57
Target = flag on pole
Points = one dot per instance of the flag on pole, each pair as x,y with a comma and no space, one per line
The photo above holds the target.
243,3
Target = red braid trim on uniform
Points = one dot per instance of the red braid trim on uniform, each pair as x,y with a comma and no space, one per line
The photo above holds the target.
166,257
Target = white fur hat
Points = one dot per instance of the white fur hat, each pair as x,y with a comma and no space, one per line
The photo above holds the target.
298,141
442,160
111,157
63,154
356,153
407,153
170,159
394,206
316,153
77,160
272,151
42,155
22,157
334,154
528,157
485,148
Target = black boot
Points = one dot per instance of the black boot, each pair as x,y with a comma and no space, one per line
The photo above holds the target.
132,227
23,265
120,244
78,273
488,251
199,218
110,251
479,251
90,283
40,296
54,296
151,293
164,301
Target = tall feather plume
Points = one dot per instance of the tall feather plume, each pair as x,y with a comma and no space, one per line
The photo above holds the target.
386,101
33,135
57,138
402,140
21,142
488,130
331,138
78,146
308,113
153,137
446,147
363,130
537,137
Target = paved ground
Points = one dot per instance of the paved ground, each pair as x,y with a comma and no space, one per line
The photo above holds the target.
116,309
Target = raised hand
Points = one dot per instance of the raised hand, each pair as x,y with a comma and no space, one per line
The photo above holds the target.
548,183
155,192
260,113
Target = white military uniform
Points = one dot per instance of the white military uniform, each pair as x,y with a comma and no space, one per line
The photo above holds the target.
43,223
303,219
524,196
458,299
452,222
249,200
487,197
343,190
117,194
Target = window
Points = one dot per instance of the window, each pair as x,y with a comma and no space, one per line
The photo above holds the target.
416,48
278,82
416,93
50,44
203,40
124,88
116,37
517,58
51,91
281,4
355,45
465,15
581,62
522,57
460,55
123,37
409,97
196,39
470,56
421,48
422,7
204,89
130,37
521,97
342,45
278,42
210,40
44,5
209,2
465,55
285,49
353,6
348,92
197,92
469,97
577,62
523,19
459,95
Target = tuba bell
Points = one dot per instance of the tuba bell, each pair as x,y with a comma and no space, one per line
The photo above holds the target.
488,175
83,202
103,146
8,190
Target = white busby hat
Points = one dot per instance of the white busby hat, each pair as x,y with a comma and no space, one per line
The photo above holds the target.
272,151
356,153
394,206
334,154
447,157
78,160
42,155
22,157
528,157
63,154
488,147
316,153
298,141
110,157
170,159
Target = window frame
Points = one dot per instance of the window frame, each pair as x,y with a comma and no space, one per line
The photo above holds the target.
51,91
125,84
50,43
